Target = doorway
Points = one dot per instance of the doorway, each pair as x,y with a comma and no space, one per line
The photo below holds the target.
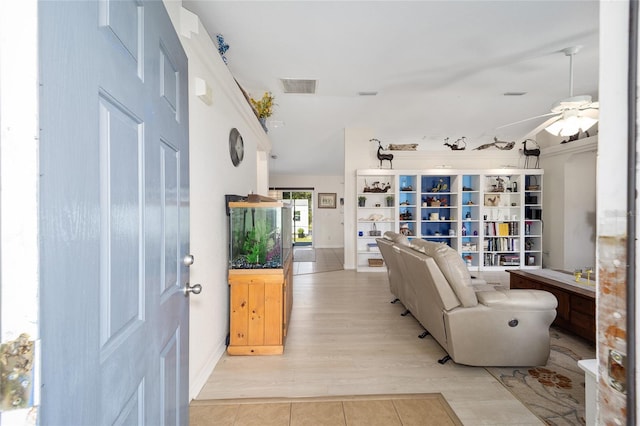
301,202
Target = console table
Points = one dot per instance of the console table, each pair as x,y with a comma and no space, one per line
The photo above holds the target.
576,301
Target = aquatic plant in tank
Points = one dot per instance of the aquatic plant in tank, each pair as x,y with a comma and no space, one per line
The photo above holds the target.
256,241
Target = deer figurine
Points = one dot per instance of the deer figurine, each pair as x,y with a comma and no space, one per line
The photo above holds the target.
535,152
381,156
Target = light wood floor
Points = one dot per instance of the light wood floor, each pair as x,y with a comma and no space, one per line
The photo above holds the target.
345,338
326,260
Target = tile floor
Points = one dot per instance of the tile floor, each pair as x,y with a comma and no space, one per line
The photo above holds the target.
396,410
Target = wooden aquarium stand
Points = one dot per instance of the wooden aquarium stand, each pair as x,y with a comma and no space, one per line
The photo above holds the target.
260,308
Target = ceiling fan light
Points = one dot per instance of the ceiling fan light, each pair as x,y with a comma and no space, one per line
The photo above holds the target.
571,125
587,122
556,127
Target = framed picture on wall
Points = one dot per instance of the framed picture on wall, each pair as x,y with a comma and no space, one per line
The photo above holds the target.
326,200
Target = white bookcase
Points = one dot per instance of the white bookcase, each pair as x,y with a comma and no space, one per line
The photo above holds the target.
493,218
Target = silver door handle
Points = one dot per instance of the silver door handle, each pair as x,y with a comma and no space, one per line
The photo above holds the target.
195,289
188,260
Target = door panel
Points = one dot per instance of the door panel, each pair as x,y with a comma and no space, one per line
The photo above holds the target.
114,214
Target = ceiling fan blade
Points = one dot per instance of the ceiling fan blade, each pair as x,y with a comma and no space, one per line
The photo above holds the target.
591,112
532,134
590,106
527,119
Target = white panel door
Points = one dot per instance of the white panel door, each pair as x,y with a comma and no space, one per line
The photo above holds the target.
114,214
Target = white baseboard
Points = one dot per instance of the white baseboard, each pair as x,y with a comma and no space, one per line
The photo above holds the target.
201,378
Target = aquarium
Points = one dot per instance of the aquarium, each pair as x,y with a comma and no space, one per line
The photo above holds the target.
260,234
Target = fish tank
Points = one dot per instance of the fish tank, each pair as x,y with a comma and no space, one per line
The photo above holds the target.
260,234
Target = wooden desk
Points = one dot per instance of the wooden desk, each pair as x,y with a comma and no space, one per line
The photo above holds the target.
576,303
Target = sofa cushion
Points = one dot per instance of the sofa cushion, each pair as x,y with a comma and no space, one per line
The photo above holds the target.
452,267
397,238
524,299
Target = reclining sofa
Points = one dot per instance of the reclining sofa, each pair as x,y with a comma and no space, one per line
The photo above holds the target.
475,323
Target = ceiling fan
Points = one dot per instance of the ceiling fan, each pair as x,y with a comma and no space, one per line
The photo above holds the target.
570,115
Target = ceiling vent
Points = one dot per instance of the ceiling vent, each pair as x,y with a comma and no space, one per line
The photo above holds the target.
294,85
515,93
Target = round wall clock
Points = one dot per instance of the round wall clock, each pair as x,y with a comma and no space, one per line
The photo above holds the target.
236,147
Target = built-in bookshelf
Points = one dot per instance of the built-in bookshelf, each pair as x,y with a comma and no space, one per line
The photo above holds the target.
493,218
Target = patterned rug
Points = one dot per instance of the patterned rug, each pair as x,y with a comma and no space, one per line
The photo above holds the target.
555,392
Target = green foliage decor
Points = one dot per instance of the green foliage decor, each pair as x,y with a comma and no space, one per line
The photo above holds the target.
263,106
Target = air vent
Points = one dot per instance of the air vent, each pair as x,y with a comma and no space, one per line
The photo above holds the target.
515,93
370,93
292,85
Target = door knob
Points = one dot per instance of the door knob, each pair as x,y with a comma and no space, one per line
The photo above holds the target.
195,289
188,260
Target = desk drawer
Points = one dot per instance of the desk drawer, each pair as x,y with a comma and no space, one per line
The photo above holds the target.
518,282
586,306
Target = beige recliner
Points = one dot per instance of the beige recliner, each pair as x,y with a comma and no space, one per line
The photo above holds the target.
486,327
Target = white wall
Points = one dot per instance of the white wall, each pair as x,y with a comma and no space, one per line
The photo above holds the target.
19,260
212,175
569,204
580,212
328,227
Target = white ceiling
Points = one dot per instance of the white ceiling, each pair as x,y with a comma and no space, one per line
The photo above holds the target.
440,68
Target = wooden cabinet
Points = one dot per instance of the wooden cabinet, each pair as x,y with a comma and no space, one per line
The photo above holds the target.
576,310
260,308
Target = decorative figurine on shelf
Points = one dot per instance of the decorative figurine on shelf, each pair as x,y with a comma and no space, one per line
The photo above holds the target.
377,187
404,186
222,47
458,145
404,230
381,156
440,186
464,230
501,145
468,216
533,152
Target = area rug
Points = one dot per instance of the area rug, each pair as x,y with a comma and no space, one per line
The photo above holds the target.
304,255
365,410
555,392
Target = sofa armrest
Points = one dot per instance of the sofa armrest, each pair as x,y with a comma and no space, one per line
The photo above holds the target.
518,299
